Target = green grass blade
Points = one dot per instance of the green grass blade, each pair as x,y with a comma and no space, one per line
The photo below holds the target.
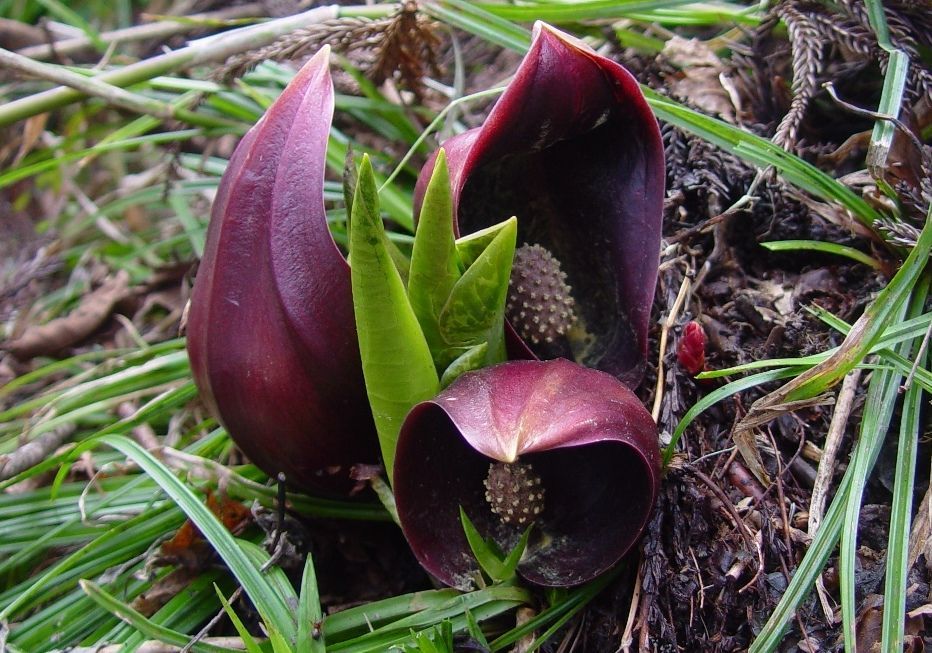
761,152
141,623
310,615
860,470
891,97
572,12
717,395
870,326
64,13
248,640
895,583
824,247
474,19
259,590
878,412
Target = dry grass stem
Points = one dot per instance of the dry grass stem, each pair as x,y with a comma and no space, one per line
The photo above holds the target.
34,452
664,334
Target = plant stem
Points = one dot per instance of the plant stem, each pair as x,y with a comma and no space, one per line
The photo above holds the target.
90,86
217,48
157,30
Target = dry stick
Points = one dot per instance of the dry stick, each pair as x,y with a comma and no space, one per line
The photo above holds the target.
33,452
90,86
627,639
158,30
217,48
823,479
664,333
742,528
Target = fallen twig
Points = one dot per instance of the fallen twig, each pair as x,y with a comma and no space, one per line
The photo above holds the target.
218,48
61,332
664,333
34,452
823,479
159,30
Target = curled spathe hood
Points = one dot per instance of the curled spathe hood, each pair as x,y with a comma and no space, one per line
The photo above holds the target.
572,149
583,433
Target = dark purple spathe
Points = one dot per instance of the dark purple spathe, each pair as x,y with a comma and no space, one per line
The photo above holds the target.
583,432
572,149
271,333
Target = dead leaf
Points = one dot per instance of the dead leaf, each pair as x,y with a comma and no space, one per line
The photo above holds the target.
62,332
189,549
30,135
747,447
699,79
869,623
149,602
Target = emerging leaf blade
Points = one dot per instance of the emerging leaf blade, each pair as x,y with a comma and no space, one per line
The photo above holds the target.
434,261
396,361
475,310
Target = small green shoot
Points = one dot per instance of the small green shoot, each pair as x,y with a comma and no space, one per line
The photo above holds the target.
252,646
496,567
823,247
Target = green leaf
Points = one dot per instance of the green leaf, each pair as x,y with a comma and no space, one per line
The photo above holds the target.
310,615
822,246
396,361
252,646
471,246
471,359
486,552
475,310
434,262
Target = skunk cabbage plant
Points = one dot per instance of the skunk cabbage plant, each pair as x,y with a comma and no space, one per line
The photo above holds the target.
568,449
572,149
271,332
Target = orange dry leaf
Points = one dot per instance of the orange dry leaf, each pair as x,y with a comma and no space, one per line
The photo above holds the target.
189,549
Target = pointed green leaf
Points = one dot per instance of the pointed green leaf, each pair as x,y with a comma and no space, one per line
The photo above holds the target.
396,360
434,261
310,615
483,550
469,247
475,311
486,552
252,646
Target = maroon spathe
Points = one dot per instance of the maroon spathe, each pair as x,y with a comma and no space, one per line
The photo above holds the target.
271,333
587,436
572,149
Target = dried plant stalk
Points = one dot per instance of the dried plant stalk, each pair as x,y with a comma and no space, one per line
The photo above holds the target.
403,47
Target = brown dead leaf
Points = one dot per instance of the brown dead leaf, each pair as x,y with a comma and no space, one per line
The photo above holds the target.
149,602
699,80
34,127
62,332
746,442
869,623
188,548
